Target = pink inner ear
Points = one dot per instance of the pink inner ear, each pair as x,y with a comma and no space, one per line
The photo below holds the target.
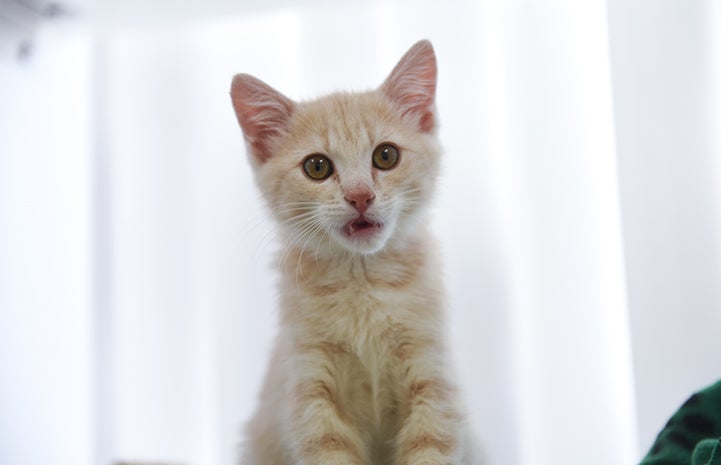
412,85
263,113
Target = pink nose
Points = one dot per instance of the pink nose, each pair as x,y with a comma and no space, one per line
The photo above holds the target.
360,199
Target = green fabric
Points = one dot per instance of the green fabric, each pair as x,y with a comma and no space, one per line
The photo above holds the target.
707,452
693,434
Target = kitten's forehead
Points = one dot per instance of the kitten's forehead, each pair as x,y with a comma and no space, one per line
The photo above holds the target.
341,125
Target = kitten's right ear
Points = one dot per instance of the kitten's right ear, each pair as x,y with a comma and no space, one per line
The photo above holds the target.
263,113
412,85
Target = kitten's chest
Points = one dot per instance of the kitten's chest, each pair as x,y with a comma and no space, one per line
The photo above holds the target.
368,309
368,325
360,317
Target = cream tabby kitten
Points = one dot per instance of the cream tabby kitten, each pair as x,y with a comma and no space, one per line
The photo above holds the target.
359,372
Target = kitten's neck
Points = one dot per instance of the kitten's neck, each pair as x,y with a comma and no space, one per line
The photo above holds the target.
392,266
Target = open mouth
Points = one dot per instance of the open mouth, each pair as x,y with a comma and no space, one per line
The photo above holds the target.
361,226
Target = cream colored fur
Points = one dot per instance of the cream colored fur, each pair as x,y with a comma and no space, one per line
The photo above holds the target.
359,374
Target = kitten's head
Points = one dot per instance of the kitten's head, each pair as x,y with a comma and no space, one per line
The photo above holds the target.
353,170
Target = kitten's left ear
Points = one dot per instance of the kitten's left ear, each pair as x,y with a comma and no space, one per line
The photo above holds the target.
412,85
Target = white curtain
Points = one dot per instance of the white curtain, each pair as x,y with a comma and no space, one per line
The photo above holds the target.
579,215
46,252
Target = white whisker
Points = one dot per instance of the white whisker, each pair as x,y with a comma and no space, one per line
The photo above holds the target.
312,232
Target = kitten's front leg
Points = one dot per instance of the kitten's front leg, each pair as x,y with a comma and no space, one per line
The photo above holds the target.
322,431
431,431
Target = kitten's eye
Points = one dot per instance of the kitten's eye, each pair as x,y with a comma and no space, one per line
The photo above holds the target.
385,156
318,167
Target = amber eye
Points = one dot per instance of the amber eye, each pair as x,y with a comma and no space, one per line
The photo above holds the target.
385,156
317,166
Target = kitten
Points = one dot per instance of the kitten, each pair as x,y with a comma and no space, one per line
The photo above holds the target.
358,374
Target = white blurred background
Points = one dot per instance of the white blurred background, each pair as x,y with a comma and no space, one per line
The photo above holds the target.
579,215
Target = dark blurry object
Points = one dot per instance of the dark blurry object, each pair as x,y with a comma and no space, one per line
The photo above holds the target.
19,23
693,434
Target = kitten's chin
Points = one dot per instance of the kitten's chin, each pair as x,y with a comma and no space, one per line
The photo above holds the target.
364,236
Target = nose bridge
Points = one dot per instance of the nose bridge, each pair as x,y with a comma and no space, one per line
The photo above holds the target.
357,176
359,184
357,187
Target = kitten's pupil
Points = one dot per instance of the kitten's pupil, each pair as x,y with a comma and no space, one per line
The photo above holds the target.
318,167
